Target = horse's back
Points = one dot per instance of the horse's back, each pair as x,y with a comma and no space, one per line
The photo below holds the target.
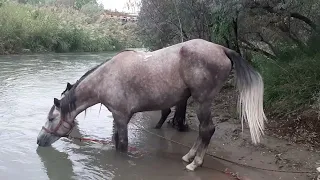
163,77
150,79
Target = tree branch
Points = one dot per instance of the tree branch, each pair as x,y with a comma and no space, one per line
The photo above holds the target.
296,15
304,19
180,26
251,47
273,49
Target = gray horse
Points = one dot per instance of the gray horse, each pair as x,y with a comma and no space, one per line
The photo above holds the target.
134,82
178,120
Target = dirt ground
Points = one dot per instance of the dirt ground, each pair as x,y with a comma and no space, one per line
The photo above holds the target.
274,152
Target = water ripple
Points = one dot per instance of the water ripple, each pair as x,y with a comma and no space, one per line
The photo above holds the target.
27,87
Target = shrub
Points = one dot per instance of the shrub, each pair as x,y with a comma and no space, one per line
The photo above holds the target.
40,29
291,82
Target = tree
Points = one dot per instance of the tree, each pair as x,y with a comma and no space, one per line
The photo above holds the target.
173,21
265,27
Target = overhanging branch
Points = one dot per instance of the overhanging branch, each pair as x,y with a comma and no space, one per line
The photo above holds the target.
251,47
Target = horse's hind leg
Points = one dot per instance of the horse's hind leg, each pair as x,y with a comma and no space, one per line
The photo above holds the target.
206,130
164,114
179,118
121,131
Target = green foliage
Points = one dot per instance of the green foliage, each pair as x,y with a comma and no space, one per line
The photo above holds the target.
314,42
59,30
80,3
258,27
34,2
283,37
221,29
92,9
2,2
291,82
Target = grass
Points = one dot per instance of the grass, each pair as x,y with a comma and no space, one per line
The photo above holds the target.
291,83
42,29
292,94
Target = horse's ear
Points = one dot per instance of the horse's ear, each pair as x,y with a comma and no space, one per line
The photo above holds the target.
69,86
56,102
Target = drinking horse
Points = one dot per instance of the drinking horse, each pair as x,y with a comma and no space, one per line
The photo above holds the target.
178,120
132,82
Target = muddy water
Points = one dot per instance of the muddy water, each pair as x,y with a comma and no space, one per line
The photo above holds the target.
28,85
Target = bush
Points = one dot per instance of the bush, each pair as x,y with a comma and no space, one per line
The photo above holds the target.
291,82
40,29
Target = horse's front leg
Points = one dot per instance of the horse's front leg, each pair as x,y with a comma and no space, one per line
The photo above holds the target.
121,131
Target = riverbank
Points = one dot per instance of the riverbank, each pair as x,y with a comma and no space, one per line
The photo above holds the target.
38,29
275,151
291,99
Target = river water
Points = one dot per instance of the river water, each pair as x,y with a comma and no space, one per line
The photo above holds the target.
28,84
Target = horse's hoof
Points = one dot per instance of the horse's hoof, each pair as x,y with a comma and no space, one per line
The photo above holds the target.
122,148
157,127
173,124
183,128
186,159
191,167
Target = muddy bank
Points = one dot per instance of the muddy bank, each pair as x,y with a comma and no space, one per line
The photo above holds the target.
275,152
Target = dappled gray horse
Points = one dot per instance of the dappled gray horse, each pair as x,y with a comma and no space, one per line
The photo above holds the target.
179,115
134,82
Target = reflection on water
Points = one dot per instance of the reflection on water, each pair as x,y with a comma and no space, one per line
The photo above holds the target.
56,162
28,85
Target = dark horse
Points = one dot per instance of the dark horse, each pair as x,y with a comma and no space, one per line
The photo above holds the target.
134,82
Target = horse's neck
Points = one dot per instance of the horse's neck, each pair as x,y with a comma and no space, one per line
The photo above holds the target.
94,88
86,97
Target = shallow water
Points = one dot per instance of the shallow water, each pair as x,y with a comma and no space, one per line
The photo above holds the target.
28,84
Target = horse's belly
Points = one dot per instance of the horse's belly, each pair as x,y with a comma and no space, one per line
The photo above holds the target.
161,95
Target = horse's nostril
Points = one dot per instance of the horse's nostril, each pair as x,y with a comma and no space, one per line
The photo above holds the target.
38,141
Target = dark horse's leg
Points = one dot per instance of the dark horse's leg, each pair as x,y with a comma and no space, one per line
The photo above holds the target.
164,114
179,116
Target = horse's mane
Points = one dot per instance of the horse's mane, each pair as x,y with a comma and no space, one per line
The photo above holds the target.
67,103
93,69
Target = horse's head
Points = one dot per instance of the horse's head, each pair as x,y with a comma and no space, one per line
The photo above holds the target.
57,125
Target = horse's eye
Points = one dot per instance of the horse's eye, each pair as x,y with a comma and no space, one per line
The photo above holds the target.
51,119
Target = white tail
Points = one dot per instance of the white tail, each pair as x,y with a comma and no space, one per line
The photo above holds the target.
250,103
